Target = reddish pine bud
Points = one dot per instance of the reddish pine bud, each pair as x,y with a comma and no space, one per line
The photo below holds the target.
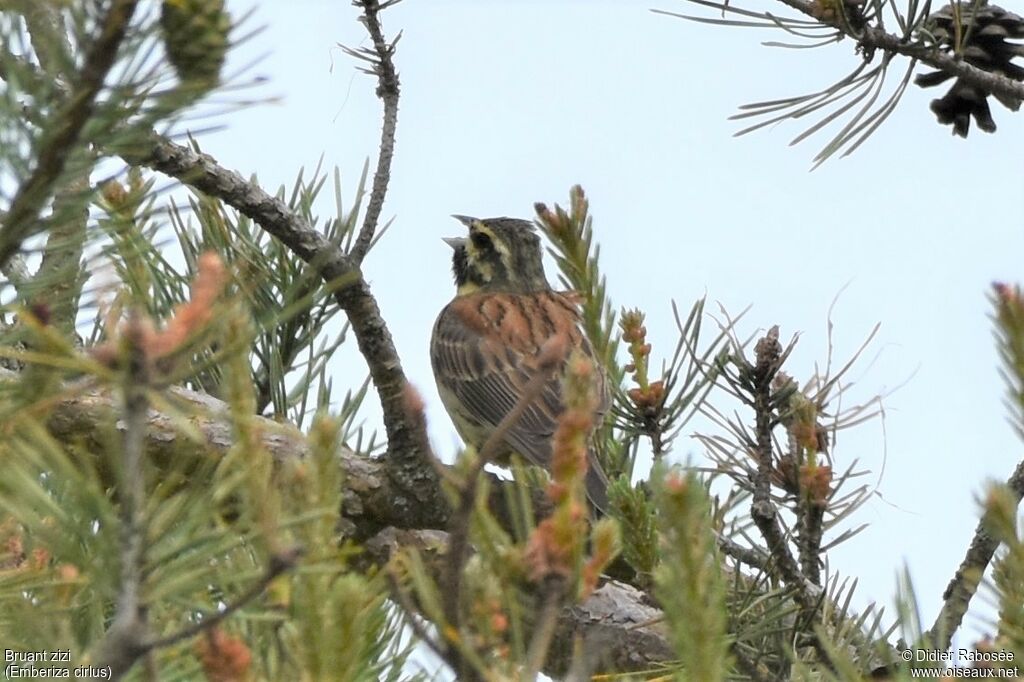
675,484
816,482
41,311
224,658
114,193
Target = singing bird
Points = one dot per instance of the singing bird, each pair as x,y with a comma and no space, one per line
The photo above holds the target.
486,344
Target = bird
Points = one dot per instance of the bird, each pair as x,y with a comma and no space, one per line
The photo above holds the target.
486,344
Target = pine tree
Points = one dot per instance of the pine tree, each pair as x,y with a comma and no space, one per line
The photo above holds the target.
186,494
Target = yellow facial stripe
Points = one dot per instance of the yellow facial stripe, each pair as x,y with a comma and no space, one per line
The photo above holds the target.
499,245
467,288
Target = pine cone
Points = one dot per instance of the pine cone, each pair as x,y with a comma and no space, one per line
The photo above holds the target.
988,31
196,38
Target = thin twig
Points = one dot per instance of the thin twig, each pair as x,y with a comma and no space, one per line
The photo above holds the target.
388,92
811,516
751,556
753,669
401,597
770,357
553,594
65,128
123,643
280,563
458,534
964,584
762,509
136,408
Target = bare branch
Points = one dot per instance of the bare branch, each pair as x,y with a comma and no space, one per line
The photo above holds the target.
122,644
755,557
763,510
387,90
371,499
964,585
553,590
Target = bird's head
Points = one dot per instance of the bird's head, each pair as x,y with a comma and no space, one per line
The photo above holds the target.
499,254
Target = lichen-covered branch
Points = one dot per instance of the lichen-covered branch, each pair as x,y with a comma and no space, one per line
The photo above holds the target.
383,67
962,588
618,627
417,488
617,620
763,511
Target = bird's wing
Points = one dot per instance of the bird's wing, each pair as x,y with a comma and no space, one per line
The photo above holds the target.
485,351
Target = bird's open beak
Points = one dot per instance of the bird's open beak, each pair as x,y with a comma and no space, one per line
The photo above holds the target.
465,219
454,242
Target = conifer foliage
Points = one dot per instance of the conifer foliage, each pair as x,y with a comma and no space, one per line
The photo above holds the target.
188,491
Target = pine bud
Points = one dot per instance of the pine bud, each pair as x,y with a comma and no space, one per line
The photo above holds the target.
196,38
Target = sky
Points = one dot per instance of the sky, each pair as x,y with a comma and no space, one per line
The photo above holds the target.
507,103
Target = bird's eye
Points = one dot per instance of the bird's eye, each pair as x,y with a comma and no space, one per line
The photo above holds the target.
481,240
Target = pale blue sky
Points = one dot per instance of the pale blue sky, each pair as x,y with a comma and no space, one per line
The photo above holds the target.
508,103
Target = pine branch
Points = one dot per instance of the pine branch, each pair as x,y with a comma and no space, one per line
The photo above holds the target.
383,67
1009,320
690,581
123,643
617,621
999,85
763,510
757,380
407,443
372,500
962,588
408,464
49,38
876,38
859,98
809,535
64,130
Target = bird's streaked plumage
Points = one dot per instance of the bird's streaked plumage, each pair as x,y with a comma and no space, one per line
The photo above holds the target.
485,345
